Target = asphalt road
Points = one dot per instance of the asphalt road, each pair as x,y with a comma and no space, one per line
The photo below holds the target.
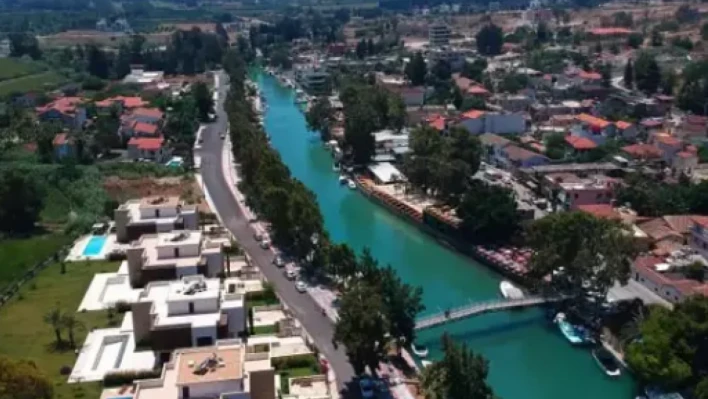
302,305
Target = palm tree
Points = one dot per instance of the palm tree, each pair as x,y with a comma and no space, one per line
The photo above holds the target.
54,319
71,323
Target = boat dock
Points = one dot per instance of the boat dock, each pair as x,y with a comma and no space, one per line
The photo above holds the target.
476,308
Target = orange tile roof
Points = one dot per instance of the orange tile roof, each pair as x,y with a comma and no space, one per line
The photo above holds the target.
472,114
645,151
147,143
667,139
437,122
589,75
65,105
61,139
580,143
477,89
622,125
145,128
592,120
151,112
604,211
700,220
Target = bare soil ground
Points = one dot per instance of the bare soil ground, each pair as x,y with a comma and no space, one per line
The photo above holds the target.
186,188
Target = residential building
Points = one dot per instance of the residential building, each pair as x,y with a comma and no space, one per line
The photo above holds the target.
667,145
572,191
513,102
438,35
663,276
514,157
123,103
580,144
227,371
608,34
593,128
148,148
478,122
699,235
67,110
692,126
667,233
412,96
169,256
192,311
136,122
492,146
138,75
153,215
643,152
455,57
313,80
63,146
389,142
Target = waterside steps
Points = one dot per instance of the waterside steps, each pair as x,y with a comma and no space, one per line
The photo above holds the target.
476,308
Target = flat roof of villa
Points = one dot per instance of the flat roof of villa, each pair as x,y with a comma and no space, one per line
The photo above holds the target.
159,202
229,367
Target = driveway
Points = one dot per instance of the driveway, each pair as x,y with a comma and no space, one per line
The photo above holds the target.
303,306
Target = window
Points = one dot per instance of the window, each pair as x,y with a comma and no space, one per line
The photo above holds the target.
191,307
157,213
185,392
176,252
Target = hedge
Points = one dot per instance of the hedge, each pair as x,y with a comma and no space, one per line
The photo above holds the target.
294,362
118,378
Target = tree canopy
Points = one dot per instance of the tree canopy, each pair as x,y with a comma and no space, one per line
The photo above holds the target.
489,40
489,213
320,117
20,201
416,70
21,379
647,74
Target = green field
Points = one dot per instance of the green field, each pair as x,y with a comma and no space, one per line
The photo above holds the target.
40,81
12,68
18,255
25,335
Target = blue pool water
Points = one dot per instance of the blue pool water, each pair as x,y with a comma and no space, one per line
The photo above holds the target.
94,246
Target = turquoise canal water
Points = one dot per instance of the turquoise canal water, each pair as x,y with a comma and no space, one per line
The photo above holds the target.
528,357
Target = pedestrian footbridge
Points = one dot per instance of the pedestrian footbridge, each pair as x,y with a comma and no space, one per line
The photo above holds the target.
476,308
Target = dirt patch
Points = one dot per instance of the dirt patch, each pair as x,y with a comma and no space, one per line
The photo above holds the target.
186,188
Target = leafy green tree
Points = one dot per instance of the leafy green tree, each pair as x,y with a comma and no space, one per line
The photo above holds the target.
54,319
635,40
629,75
704,31
473,103
21,379
657,39
669,80
359,124
461,374
582,253
320,117
362,326
416,70
396,112
97,62
22,43
489,40
647,74
489,213
474,70
21,201
203,100
623,19
403,303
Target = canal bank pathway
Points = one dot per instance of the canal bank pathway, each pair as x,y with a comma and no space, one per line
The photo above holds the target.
528,358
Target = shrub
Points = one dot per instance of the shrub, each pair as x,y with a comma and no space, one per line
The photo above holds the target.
294,362
122,306
65,370
118,378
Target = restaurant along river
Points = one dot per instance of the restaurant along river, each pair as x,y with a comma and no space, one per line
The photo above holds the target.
528,358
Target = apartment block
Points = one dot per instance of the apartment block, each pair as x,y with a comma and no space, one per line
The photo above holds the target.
222,371
170,256
192,311
153,215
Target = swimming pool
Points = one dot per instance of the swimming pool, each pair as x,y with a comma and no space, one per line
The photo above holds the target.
94,246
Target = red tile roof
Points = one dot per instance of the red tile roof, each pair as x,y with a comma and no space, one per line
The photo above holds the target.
145,128
580,143
589,75
477,90
700,220
472,114
622,125
65,105
149,112
61,139
667,139
593,121
604,211
437,122
643,151
147,143
685,154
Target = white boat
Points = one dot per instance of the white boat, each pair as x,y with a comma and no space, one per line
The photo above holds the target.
510,291
342,179
351,184
335,167
606,361
576,335
426,363
420,350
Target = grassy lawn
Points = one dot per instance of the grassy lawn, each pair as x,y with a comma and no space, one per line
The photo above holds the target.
286,374
18,255
13,68
25,335
39,81
265,330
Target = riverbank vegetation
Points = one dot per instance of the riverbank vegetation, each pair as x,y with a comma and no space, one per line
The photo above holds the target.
670,349
369,292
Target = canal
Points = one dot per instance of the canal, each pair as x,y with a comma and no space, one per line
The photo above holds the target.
528,358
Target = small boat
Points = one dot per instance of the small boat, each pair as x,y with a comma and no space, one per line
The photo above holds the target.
426,363
576,335
606,361
342,179
351,184
335,167
420,350
510,291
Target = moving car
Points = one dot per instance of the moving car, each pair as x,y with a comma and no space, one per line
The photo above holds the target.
300,286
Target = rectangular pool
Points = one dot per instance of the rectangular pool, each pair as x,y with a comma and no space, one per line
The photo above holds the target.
94,246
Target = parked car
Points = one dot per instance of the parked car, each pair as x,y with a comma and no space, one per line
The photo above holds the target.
278,261
265,243
366,385
291,274
258,236
300,286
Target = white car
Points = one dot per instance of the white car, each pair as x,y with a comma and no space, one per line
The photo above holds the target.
265,244
366,385
278,261
258,236
300,286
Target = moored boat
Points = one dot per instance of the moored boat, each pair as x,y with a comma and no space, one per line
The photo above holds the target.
575,334
351,184
606,361
420,350
343,179
510,291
